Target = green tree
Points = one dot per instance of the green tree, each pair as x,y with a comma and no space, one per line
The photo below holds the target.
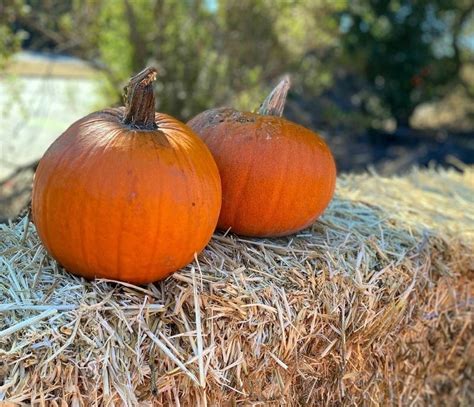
206,56
408,51
10,39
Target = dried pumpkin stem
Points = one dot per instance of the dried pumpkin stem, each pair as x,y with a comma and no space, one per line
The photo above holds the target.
140,101
274,104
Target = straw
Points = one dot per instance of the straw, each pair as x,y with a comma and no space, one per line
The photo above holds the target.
371,305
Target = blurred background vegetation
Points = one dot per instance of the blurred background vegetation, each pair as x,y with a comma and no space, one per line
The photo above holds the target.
388,83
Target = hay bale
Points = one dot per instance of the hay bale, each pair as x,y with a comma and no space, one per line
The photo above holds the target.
371,305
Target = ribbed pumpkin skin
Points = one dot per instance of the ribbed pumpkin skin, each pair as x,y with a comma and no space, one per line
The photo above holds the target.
277,177
130,205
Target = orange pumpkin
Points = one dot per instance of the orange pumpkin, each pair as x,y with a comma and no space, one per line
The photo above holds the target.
127,193
277,177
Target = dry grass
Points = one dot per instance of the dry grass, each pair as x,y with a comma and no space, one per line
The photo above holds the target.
371,306
42,66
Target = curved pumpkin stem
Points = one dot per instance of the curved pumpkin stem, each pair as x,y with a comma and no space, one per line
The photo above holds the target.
274,104
140,100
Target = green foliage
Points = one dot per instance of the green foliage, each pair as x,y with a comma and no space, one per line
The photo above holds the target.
10,40
406,50
205,56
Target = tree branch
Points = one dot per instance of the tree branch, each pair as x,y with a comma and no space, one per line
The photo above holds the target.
136,38
457,31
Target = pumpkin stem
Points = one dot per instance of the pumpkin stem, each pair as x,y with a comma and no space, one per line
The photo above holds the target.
140,100
274,104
